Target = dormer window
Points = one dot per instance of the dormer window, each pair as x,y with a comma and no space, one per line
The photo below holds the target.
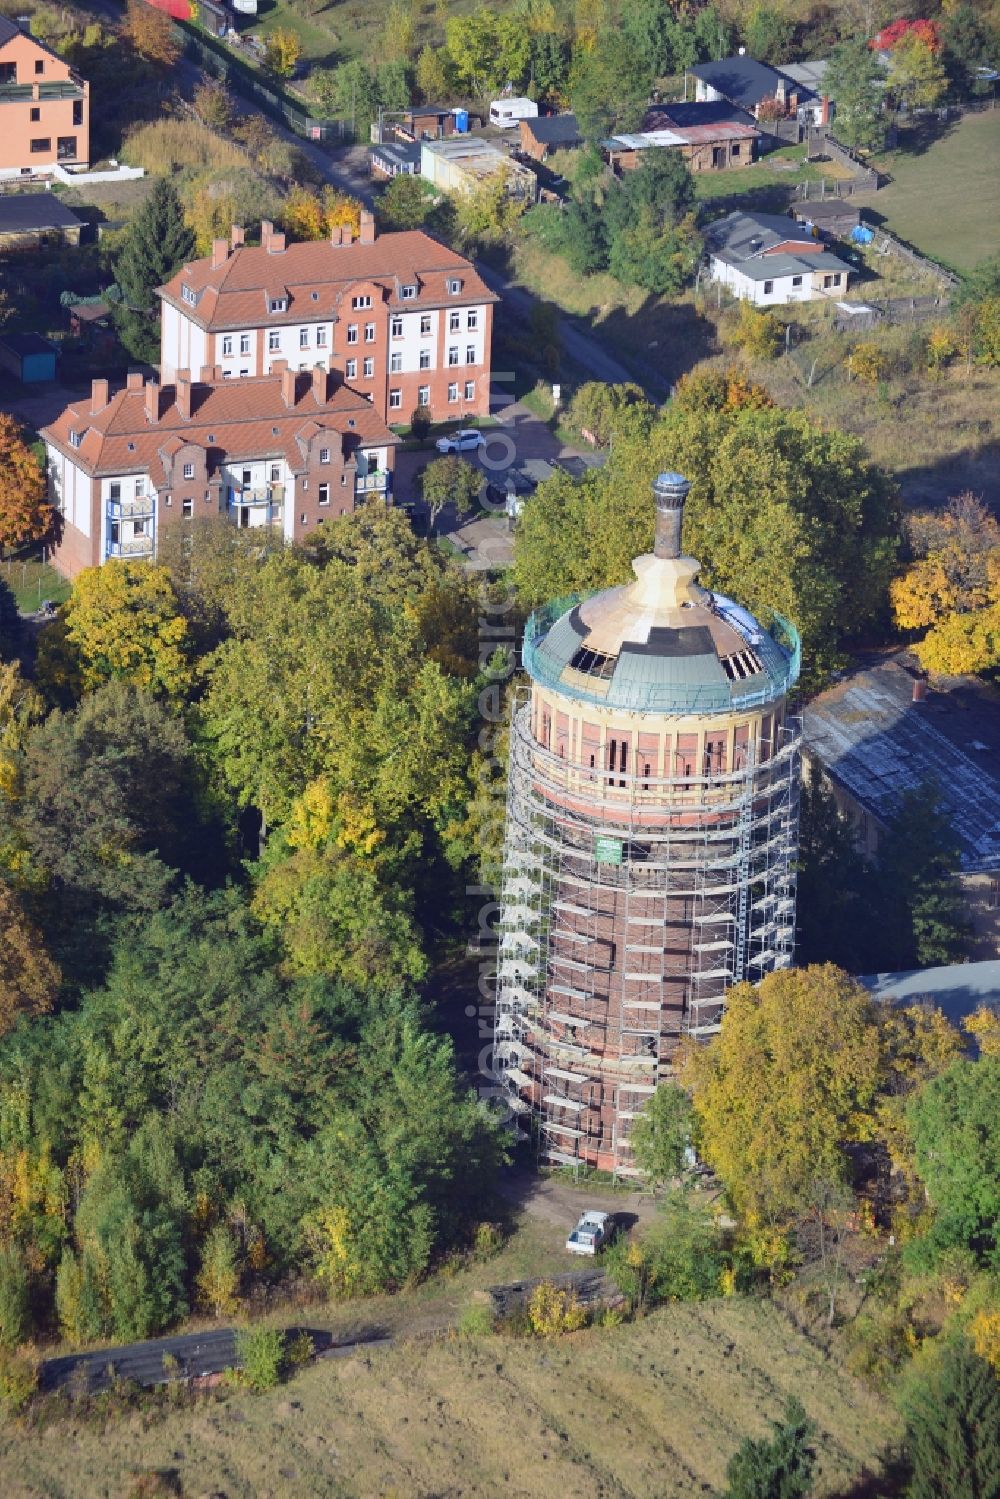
74,438
407,293
188,295
277,304
454,286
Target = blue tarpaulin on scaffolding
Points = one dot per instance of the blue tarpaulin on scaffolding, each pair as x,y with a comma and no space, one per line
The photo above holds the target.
861,235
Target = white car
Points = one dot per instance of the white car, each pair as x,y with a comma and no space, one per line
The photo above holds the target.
590,1234
469,439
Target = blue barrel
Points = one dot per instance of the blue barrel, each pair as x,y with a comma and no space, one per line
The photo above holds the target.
461,120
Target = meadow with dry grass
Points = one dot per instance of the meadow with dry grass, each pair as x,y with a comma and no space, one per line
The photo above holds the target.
652,1408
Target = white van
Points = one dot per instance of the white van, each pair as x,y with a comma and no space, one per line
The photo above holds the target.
506,112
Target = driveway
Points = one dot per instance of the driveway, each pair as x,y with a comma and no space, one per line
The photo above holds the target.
519,437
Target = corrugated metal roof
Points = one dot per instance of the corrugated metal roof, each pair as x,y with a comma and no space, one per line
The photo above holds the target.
878,744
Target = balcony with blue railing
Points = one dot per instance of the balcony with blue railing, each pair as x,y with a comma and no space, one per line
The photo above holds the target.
122,518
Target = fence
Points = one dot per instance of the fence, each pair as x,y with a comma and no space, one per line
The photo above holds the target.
222,63
893,310
888,244
821,143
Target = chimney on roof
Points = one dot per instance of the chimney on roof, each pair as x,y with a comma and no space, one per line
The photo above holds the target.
237,236
206,374
669,491
319,385
266,230
278,366
99,390
288,386
152,392
133,380
336,235
347,235
220,253
367,236
276,244
182,393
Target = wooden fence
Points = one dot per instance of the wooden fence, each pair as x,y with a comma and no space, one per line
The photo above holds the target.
821,143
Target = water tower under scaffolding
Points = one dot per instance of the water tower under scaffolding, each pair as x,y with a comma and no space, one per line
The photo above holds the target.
651,841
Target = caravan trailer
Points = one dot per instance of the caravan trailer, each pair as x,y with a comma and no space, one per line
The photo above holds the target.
506,113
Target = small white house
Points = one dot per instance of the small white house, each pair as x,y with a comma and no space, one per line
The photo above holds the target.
507,113
769,260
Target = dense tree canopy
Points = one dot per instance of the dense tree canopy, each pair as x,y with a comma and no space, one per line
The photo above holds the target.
784,516
955,1122
155,244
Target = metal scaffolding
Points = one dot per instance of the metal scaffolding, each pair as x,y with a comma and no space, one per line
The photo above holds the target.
627,911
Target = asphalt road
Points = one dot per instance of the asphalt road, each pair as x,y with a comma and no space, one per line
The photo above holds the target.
197,1355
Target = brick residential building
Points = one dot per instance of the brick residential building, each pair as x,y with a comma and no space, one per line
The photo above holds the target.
405,320
287,449
44,107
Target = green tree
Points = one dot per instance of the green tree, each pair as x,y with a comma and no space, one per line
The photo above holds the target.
282,50
646,26
767,33
777,1468
155,244
403,204
219,1277
661,1135
349,90
608,86
969,42
856,80
15,1315
836,908
919,897
432,74
124,621
450,481
488,50
955,1127
783,515
106,808
597,408
916,73
792,1076
953,1427
651,241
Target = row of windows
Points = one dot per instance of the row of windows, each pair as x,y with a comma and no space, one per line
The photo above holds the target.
424,395
42,146
395,362
8,70
454,323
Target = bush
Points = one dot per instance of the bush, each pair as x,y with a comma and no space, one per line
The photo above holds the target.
757,333
476,1322
18,1379
869,363
678,1258
552,1312
487,1241
260,1351
420,422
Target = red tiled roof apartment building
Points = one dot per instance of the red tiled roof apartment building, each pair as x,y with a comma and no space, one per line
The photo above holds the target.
405,320
285,450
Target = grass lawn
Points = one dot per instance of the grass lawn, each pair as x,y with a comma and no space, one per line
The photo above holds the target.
944,198
653,1408
780,169
31,581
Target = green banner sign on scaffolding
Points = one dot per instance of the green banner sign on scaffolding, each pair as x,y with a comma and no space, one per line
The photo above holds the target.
607,850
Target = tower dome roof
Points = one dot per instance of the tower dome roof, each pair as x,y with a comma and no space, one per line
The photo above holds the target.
662,643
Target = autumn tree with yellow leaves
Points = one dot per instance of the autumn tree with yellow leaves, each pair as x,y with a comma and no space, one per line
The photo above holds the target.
312,215
951,589
124,622
805,1065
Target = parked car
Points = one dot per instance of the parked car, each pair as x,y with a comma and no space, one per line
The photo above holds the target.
469,439
590,1234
